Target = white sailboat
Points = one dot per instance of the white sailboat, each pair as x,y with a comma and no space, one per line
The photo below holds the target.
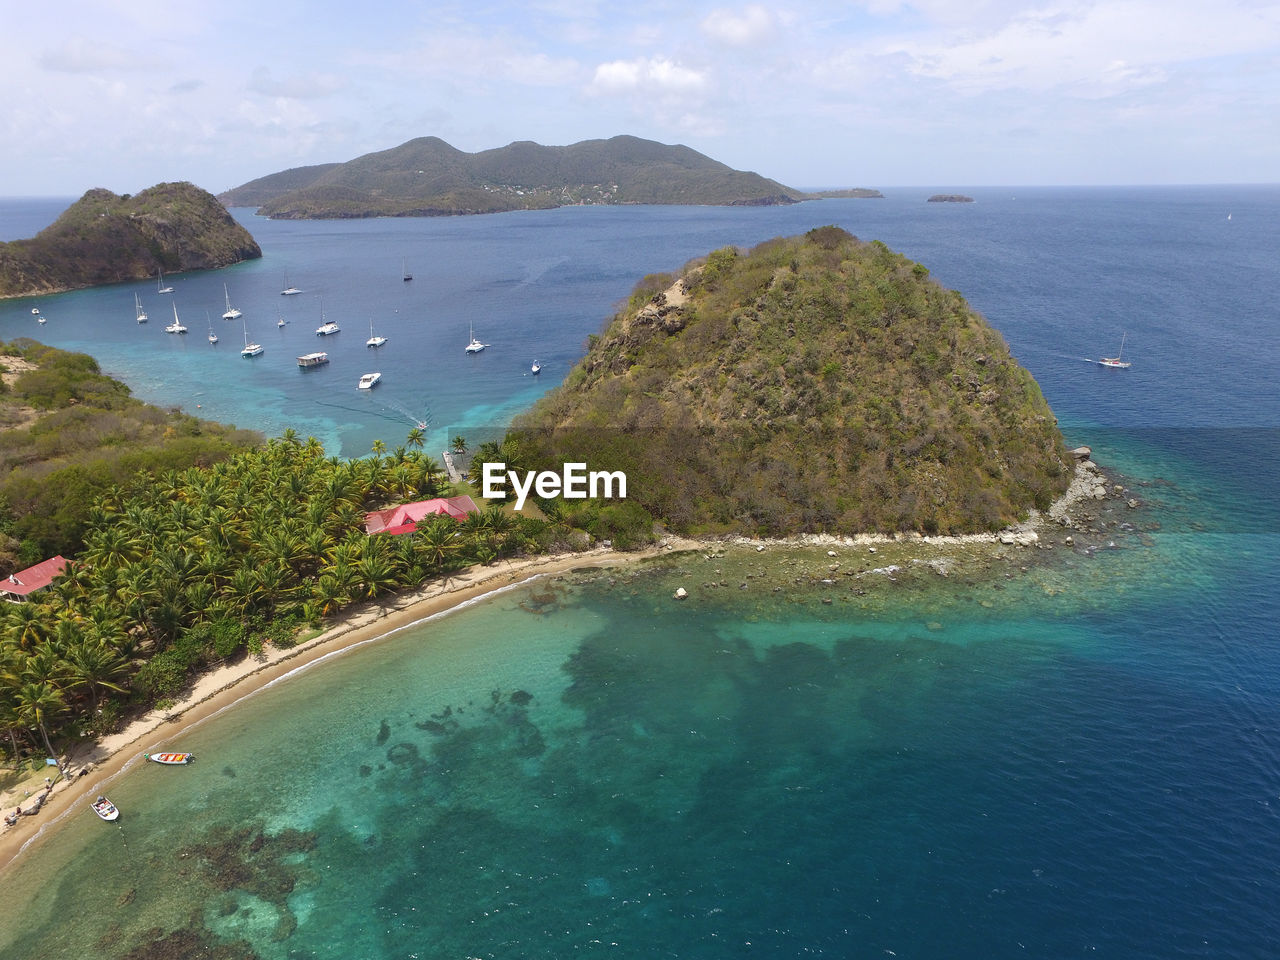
374,340
405,275
1117,362
176,326
160,287
213,337
475,346
250,349
232,313
288,290
142,314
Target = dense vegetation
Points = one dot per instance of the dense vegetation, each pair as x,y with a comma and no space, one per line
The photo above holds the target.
105,238
428,177
208,563
816,383
68,434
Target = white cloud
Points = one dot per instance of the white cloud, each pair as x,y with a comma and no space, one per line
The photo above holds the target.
751,26
653,74
1089,49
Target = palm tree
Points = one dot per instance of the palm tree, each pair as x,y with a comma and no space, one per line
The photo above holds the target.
415,438
95,666
440,540
459,444
38,703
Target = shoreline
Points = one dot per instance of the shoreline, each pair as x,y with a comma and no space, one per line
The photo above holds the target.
91,765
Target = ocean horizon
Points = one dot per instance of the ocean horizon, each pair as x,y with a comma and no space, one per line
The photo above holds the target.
1073,753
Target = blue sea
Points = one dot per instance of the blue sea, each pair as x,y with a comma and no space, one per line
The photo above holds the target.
1076,755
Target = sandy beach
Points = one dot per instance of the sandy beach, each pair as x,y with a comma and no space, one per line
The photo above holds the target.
91,765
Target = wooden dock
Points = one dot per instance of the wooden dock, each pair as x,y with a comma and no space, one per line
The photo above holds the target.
455,475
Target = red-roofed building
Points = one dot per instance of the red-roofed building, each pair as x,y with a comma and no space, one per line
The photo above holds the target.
404,518
17,586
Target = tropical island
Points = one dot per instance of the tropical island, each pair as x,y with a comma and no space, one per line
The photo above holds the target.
814,384
427,177
852,193
107,238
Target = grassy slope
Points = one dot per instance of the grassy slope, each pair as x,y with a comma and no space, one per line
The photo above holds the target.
69,434
815,384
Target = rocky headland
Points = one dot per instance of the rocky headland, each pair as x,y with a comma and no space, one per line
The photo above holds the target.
107,238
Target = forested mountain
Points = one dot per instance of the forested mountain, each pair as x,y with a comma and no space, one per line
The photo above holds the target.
105,238
428,177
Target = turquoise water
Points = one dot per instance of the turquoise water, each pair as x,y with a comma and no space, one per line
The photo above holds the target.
1079,758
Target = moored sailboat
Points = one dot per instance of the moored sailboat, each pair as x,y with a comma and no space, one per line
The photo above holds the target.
176,326
250,349
232,313
137,304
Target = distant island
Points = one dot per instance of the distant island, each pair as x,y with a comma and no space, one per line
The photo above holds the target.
856,193
949,198
104,238
812,384
427,177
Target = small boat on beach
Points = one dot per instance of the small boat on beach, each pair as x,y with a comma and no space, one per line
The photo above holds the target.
173,759
369,381
1117,362
105,809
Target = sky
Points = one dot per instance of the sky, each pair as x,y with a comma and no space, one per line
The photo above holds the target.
124,94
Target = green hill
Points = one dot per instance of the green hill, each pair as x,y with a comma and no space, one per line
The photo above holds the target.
105,238
428,177
69,434
815,383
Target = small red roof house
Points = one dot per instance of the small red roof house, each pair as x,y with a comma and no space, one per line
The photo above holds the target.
17,586
404,518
